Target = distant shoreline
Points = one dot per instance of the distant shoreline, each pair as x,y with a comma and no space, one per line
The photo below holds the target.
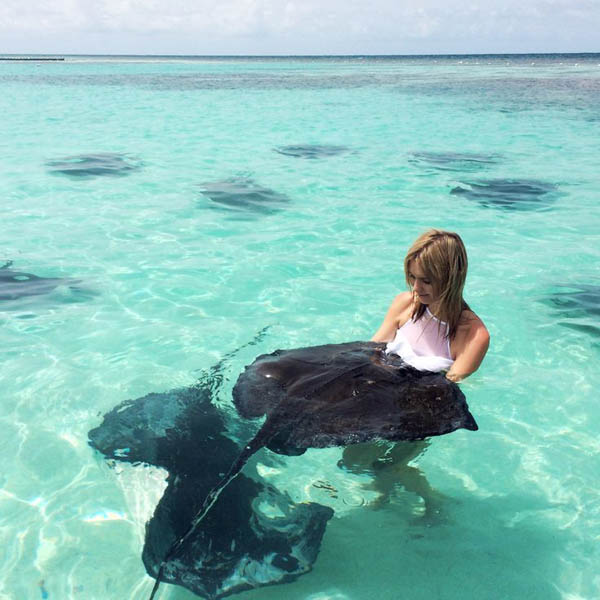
63,57
32,58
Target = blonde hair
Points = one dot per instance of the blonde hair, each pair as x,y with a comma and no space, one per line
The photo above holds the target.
443,258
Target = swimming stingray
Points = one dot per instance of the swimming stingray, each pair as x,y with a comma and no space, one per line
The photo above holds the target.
17,284
239,195
311,151
100,164
453,161
333,395
579,300
509,194
253,536
578,307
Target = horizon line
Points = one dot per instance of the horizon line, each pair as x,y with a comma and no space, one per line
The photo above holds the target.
359,55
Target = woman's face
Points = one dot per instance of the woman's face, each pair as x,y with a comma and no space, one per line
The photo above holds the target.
421,284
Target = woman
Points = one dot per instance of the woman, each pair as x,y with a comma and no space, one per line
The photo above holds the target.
431,326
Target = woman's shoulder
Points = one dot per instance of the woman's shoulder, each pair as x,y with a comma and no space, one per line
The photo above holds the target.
471,326
403,300
402,307
394,318
401,303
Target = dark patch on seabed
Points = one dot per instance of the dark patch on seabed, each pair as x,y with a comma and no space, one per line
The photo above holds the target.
578,307
311,151
453,161
84,166
509,194
15,285
570,94
242,195
215,531
209,81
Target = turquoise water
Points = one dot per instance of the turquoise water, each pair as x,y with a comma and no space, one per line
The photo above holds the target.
169,281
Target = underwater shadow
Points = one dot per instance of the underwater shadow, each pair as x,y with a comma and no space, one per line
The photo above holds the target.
453,161
86,166
242,197
16,286
509,194
311,151
577,307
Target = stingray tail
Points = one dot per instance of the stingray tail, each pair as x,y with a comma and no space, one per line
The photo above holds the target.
257,442
214,377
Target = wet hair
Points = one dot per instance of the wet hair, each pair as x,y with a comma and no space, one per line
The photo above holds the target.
443,258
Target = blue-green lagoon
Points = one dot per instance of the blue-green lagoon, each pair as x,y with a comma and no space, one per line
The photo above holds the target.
185,205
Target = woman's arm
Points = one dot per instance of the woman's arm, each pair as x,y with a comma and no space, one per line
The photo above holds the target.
471,350
391,322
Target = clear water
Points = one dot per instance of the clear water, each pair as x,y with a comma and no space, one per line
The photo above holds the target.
170,281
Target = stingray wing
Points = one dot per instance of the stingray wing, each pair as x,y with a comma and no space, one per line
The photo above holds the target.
341,394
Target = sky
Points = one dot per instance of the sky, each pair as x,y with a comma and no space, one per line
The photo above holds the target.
247,27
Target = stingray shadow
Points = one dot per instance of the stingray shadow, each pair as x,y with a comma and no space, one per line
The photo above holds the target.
18,285
509,194
243,197
101,164
453,161
311,151
577,307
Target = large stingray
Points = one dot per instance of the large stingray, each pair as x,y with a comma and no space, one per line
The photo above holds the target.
311,151
576,301
253,536
243,195
454,161
509,194
334,395
18,284
83,166
578,307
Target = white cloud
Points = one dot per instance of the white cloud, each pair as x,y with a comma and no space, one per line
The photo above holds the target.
337,25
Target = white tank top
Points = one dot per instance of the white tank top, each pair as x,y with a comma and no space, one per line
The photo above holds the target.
423,343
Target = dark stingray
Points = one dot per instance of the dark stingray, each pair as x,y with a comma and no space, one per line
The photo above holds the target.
93,165
239,546
578,307
334,395
342,394
311,151
17,284
243,195
509,194
453,161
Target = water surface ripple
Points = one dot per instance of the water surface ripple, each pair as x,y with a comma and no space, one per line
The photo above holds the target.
165,289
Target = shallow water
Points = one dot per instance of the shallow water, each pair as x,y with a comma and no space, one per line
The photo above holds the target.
167,286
